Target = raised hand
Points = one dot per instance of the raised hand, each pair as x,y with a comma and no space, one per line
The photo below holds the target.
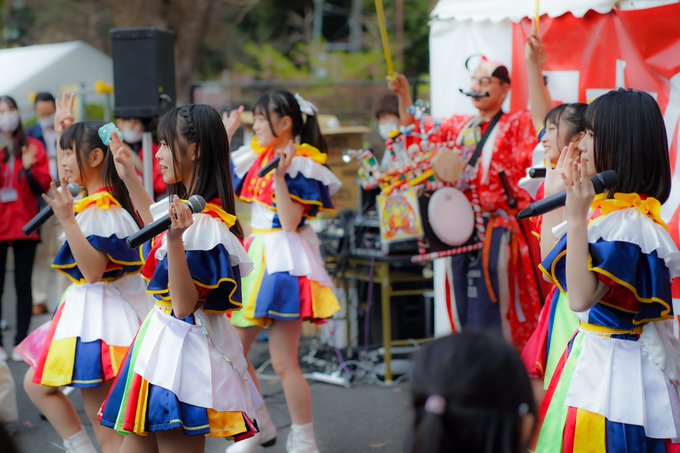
534,52
286,155
63,117
29,155
553,176
123,157
181,218
580,190
399,85
232,121
62,203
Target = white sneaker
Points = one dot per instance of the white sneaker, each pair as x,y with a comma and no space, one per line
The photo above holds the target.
15,355
3,354
301,439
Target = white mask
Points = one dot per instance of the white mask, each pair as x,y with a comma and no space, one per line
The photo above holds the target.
385,129
47,122
132,136
9,121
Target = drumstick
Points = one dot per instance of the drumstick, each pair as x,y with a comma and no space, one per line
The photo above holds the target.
384,38
443,254
537,16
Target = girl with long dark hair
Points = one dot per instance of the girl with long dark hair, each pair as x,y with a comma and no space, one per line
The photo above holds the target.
185,377
84,344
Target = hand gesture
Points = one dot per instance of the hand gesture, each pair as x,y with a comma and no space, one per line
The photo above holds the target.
62,203
232,121
286,155
399,85
553,176
63,117
29,155
123,158
580,190
181,218
533,51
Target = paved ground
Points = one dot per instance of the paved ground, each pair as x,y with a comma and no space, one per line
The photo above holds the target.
368,417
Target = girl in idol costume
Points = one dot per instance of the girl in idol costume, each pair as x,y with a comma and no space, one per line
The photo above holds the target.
564,124
616,386
290,284
98,316
185,377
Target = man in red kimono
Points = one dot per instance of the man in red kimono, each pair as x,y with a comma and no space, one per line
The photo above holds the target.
495,288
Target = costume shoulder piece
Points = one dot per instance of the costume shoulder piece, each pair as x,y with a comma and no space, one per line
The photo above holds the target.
105,224
630,250
309,181
216,258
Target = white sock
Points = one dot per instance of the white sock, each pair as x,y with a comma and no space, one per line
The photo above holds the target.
79,443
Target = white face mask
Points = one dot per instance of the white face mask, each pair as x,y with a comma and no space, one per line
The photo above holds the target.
47,122
9,121
385,129
132,136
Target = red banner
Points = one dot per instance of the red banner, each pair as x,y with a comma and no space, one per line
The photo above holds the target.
636,49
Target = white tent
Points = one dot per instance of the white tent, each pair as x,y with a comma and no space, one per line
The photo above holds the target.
50,67
460,28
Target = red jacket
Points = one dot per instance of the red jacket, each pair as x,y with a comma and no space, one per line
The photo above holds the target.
14,215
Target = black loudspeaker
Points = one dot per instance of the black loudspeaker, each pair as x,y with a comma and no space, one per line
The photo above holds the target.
143,72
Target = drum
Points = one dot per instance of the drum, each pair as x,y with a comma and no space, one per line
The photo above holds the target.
451,216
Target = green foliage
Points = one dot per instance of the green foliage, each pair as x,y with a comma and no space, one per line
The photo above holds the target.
417,37
264,62
273,44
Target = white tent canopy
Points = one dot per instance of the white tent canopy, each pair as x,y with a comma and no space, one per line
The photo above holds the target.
50,67
515,10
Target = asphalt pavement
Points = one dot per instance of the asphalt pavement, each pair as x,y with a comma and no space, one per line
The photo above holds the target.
367,417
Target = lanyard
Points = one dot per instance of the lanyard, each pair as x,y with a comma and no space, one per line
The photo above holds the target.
8,180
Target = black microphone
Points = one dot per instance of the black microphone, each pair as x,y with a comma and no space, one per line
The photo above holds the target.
537,172
601,181
474,95
196,203
46,212
269,167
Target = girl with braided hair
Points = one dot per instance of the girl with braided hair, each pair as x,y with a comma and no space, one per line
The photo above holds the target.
185,376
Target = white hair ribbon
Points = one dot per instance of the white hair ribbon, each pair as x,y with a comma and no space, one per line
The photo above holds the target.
306,107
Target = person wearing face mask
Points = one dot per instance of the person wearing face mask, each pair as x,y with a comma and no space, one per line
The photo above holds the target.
496,288
45,107
24,176
386,114
133,131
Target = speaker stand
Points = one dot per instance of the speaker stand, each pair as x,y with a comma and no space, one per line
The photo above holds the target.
147,162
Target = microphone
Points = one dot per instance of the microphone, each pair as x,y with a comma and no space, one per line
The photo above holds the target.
196,203
537,172
474,95
601,181
269,167
46,212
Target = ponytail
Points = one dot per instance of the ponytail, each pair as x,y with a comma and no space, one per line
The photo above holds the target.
311,134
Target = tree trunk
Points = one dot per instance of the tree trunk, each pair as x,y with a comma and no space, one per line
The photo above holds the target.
188,20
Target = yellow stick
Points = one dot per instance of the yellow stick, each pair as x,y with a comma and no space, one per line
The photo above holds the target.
384,38
537,16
